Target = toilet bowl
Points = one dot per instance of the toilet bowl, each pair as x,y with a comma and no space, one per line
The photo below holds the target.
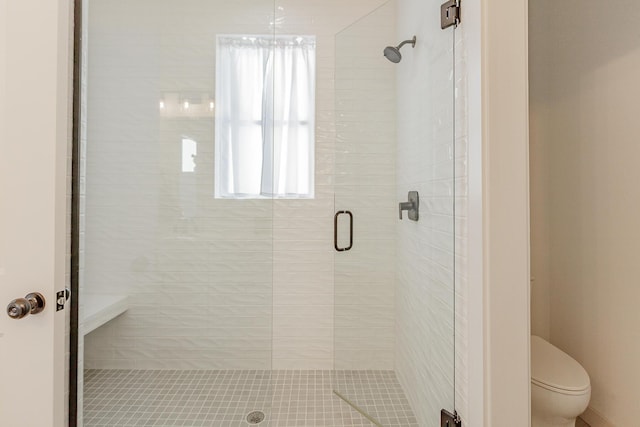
560,387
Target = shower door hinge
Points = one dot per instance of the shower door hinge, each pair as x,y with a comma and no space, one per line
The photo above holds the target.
450,14
447,419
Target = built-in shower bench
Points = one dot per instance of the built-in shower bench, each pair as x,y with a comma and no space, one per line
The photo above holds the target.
101,308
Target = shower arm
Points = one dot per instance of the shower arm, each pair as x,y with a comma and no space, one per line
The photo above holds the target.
412,41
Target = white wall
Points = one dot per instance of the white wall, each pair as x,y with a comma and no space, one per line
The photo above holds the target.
211,280
499,211
586,143
540,72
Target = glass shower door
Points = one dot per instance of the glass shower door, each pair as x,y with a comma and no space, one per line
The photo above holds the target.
394,223
179,254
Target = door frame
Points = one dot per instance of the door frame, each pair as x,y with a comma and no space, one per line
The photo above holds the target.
498,241
76,153
35,112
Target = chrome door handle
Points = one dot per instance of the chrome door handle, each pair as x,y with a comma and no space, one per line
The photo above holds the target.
32,303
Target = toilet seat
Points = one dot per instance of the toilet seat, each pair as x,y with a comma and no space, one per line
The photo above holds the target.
556,371
560,390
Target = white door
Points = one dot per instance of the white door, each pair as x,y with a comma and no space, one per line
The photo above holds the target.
35,84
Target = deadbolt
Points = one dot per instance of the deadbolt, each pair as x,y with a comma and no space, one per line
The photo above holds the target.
32,303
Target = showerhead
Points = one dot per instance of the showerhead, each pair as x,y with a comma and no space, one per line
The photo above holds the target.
393,53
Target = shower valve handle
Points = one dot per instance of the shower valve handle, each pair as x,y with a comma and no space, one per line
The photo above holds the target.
412,206
404,206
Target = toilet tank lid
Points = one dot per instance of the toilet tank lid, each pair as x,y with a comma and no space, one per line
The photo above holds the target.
553,367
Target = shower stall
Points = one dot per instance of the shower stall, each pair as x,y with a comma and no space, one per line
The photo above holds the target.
267,213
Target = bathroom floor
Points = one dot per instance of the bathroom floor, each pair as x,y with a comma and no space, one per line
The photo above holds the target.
580,423
224,398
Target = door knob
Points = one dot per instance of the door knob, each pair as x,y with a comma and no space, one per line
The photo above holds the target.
32,303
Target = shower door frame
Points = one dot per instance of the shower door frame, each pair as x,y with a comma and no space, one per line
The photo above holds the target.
74,302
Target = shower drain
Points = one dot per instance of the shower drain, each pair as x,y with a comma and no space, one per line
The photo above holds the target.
255,417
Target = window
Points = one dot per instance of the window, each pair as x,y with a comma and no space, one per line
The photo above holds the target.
189,153
265,116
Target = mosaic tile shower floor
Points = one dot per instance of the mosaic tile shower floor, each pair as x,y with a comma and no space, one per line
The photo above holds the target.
224,398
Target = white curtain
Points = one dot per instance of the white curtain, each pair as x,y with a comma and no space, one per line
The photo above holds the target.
265,116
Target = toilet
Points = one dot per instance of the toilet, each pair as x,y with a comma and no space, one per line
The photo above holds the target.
560,386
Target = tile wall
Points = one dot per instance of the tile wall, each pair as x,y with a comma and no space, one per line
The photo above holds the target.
210,281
